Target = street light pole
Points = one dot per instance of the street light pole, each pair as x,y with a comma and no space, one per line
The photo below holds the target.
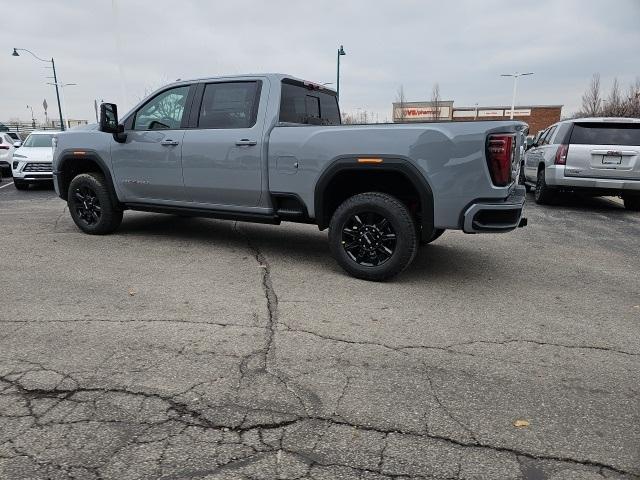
63,97
63,127
340,53
515,84
55,78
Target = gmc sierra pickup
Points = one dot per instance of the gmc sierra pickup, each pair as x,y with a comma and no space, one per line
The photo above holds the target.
270,148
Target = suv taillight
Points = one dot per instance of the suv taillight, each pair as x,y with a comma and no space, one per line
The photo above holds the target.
500,150
561,154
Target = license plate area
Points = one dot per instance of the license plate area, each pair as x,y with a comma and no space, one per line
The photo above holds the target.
611,159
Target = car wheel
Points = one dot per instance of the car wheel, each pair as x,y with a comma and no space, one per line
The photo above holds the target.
632,203
437,233
372,236
91,206
544,195
20,184
522,180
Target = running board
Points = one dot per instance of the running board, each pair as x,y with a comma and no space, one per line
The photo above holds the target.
204,212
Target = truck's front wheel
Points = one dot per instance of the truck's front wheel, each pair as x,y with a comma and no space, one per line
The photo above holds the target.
372,236
90,205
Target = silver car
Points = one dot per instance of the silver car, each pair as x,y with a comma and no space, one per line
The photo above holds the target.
597,156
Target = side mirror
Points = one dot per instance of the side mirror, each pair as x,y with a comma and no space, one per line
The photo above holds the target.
529,143
108,118
17,144
109,122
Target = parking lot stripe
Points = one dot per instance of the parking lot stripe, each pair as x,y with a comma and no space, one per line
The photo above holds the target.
6,185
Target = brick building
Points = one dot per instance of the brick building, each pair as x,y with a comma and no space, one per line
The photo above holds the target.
538,117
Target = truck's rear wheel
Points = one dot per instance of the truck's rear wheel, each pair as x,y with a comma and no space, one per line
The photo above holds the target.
90,205
372,236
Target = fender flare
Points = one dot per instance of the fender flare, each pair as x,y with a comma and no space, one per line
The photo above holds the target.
68,155
389,164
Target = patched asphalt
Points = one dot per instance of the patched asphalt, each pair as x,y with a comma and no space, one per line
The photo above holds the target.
195,348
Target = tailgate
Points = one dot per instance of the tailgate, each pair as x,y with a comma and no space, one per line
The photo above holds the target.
604,150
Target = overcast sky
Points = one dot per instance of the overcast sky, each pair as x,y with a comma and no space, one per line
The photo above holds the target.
116,50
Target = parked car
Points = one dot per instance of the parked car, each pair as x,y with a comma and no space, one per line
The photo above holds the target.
270,148
7,146
596,156
32,162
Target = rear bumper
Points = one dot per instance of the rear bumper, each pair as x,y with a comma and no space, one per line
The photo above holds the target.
496,216
554,176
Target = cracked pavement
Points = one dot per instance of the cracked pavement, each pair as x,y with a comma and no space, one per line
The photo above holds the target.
202,349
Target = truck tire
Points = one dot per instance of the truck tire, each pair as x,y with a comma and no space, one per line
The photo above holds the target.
372,236
91,206
631,203
544,195
20,184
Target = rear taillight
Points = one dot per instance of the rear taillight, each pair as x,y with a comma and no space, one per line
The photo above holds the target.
499,158
561,155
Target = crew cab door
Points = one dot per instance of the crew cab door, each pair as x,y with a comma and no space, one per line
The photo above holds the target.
222,152
148,165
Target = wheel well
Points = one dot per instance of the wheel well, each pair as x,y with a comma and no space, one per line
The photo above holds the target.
347,183
73,166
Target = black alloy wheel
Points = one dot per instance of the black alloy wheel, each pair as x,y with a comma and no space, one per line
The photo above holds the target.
91,205
369,239
372,235
87,205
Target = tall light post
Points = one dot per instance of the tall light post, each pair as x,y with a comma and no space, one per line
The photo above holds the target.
33,119
341,52
515,83
63,96
55,78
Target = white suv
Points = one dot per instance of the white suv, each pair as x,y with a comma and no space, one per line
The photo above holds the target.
32,161
597,156
7,146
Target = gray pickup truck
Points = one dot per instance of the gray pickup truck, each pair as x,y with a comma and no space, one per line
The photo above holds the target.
271,148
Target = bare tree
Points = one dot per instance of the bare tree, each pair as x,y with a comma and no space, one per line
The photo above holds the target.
592,99
616,106
401,101
435,102
633,109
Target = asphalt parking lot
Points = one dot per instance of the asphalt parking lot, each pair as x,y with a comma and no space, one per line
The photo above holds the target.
195,348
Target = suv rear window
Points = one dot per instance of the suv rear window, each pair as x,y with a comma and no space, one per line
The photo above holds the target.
307,104
606,134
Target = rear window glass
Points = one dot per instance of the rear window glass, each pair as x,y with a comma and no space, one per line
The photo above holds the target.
229,105
606,134
300,104
38,141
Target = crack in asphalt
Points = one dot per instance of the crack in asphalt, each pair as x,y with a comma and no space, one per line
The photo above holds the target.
450,348
188,416
58,218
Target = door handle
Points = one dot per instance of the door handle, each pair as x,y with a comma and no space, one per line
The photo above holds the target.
246,142
169,143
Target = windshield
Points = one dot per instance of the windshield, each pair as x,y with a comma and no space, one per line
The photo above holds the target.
39,140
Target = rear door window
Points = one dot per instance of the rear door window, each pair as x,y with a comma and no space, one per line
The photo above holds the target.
548,135
229,105
308,104
606,134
